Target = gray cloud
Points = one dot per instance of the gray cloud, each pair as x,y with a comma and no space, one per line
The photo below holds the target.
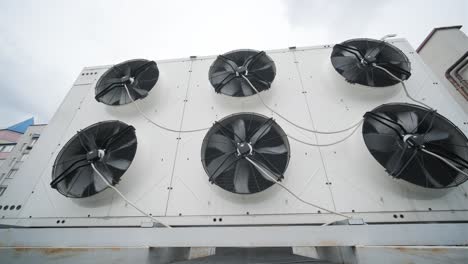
45,44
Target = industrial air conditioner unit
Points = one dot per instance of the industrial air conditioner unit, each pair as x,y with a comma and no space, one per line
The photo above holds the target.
243,139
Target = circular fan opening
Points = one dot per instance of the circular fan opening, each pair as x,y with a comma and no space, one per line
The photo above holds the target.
139,76
227,70
355,60
397,134
110,145
233,144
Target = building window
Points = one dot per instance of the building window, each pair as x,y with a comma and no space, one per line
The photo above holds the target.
6,148
33,141
24,157
2,190
11,174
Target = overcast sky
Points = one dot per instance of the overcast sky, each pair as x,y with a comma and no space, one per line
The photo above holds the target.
45,44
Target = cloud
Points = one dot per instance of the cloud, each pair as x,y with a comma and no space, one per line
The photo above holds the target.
45,44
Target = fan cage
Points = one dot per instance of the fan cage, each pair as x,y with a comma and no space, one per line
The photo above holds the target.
362,72
114,93
75,147
222,74
435,121
257,183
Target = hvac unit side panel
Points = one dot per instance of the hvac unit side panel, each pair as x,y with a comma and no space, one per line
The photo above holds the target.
22,187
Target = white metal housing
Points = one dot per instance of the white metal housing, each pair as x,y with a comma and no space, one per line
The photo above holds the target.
167,179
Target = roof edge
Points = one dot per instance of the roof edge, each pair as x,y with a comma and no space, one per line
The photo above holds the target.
434,30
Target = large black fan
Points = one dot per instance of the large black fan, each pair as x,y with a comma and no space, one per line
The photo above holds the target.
110,145
355,60
232,144
399,136
227,70
139,76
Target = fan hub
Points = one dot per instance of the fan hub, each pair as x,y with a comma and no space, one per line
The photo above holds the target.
244,149
95,155
127,79
414,141
241,70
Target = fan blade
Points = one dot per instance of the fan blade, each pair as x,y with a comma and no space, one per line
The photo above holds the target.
435,135
428,177
221,143
370,77
120,164
98,182
220,164
87,140
143,68
395,162
381,142
409,121
252,59
232,87
379,127
239,129
261,132
110,81
373,52
342,62
141,92
353,74
246,89
123,97
264,67
264,170
241,177
281,149
232,64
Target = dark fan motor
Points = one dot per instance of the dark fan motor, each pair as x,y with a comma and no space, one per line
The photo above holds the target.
139,76
355,60
399,136
227,70
237,146
109,145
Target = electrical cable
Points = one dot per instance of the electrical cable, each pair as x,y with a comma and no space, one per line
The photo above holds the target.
292,123
156,124
292,193
125,198
356,126
402,84
445,161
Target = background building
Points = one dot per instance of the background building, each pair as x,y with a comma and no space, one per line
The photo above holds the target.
16,142
445,51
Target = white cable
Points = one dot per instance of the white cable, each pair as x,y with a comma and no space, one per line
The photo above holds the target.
356,126
292,123
402,84
156,124
293,194
445,161
125,198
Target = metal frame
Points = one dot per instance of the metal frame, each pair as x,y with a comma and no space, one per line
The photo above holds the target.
253,236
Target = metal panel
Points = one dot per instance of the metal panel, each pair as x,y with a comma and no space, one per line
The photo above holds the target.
281,236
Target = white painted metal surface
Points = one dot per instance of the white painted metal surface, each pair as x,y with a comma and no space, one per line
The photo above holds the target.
167,178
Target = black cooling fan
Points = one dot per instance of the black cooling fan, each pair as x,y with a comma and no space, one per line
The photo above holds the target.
227,70
231,142
397,135
110,145
355,60
139,76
